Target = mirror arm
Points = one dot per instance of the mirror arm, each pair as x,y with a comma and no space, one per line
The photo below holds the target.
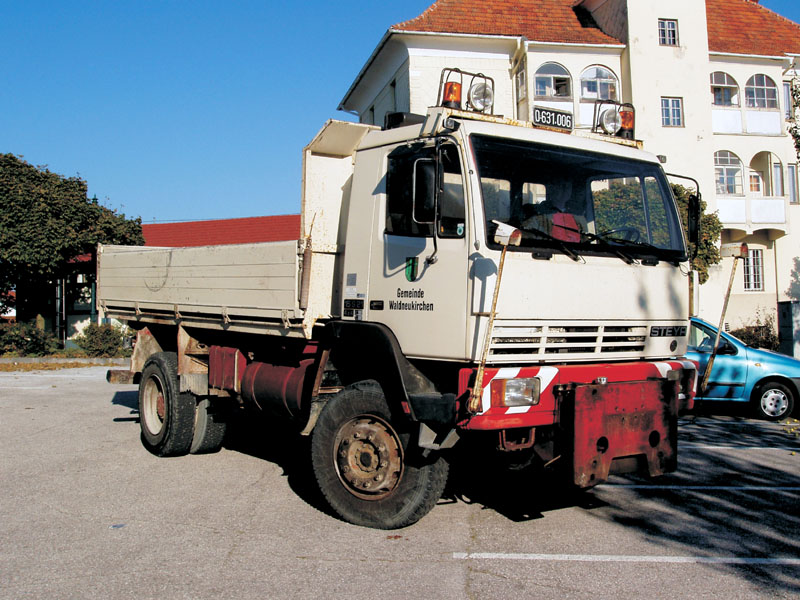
437,177
693,212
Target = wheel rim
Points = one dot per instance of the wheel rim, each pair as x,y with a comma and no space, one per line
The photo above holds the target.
369,457
774,403
153,405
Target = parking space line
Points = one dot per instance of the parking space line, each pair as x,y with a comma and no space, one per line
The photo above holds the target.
731,560
725,488
28,387
711,447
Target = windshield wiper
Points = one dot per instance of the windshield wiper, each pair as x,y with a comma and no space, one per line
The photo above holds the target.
600,241
560,243
655,250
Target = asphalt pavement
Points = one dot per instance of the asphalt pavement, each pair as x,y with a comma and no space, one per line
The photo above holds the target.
86,512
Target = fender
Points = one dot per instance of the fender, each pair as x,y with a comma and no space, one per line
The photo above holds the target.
365,350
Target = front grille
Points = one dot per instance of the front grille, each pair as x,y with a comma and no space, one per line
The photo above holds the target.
525,341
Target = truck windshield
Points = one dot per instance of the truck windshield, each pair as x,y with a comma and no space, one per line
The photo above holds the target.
577,202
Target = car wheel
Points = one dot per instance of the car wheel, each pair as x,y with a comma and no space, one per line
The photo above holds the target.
773,401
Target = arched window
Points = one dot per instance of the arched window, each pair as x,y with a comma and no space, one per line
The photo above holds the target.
761,92
724,89
728,173
553,81
598,83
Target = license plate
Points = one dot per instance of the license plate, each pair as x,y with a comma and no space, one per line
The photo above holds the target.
547,117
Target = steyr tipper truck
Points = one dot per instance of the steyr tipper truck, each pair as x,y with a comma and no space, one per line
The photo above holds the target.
462,278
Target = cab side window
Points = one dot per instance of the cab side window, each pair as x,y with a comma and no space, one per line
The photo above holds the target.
408,172
451,198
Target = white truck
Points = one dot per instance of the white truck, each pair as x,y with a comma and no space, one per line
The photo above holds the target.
379,332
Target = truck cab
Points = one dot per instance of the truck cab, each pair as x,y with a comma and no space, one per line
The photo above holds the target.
594,224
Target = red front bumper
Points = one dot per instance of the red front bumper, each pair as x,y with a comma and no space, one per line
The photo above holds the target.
610,417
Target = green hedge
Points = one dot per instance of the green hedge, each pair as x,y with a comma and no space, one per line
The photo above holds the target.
25,339
106,341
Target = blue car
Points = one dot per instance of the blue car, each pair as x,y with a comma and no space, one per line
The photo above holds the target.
769,381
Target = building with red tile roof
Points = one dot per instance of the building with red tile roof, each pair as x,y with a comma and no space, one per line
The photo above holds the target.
736,26
223,231
711,81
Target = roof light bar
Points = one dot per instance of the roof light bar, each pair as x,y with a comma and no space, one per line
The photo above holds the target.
614,118
480,97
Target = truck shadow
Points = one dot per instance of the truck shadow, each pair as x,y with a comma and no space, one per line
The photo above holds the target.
735,495
128,399
517,494
261,436
733,503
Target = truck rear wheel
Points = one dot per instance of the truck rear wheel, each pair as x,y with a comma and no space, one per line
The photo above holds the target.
363,465
166,415
209,427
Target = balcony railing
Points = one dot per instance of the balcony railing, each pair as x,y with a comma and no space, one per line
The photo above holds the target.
734,120
751,213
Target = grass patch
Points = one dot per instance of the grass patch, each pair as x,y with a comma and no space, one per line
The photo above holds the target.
50,366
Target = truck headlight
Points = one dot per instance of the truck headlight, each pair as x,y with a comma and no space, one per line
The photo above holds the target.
515,392
481,96
611,121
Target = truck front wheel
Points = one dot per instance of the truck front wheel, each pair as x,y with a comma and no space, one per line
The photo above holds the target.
363,464
166,415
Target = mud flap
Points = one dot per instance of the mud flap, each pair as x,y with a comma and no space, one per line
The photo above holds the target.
623,428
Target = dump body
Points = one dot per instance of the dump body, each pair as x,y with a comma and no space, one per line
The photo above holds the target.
208,286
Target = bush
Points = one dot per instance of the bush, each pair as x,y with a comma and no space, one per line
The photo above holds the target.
71,353
759,334
25,339
105,341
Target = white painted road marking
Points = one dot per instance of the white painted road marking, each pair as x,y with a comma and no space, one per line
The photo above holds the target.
730,560
693,447
746,488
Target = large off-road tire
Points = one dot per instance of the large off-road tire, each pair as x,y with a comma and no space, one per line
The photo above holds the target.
773,401
210,422
166,415
365,468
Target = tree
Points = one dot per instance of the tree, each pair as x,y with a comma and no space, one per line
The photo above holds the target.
710,231
794,128
46,221
621,206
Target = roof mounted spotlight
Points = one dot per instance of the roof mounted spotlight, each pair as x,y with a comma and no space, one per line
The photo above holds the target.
614,118
480,97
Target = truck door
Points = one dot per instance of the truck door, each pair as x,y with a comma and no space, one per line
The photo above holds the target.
418,283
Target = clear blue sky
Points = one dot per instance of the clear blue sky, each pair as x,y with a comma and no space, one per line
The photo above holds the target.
175,110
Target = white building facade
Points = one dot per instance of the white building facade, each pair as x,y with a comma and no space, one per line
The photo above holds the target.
711,101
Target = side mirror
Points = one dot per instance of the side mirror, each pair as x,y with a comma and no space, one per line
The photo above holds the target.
424,201
693,224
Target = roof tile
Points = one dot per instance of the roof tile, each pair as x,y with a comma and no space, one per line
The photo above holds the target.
223,231
745,27
539,20
736,26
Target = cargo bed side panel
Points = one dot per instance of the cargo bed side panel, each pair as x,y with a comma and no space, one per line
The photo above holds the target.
244,280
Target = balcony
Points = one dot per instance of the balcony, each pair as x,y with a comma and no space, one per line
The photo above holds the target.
749,214
754,121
